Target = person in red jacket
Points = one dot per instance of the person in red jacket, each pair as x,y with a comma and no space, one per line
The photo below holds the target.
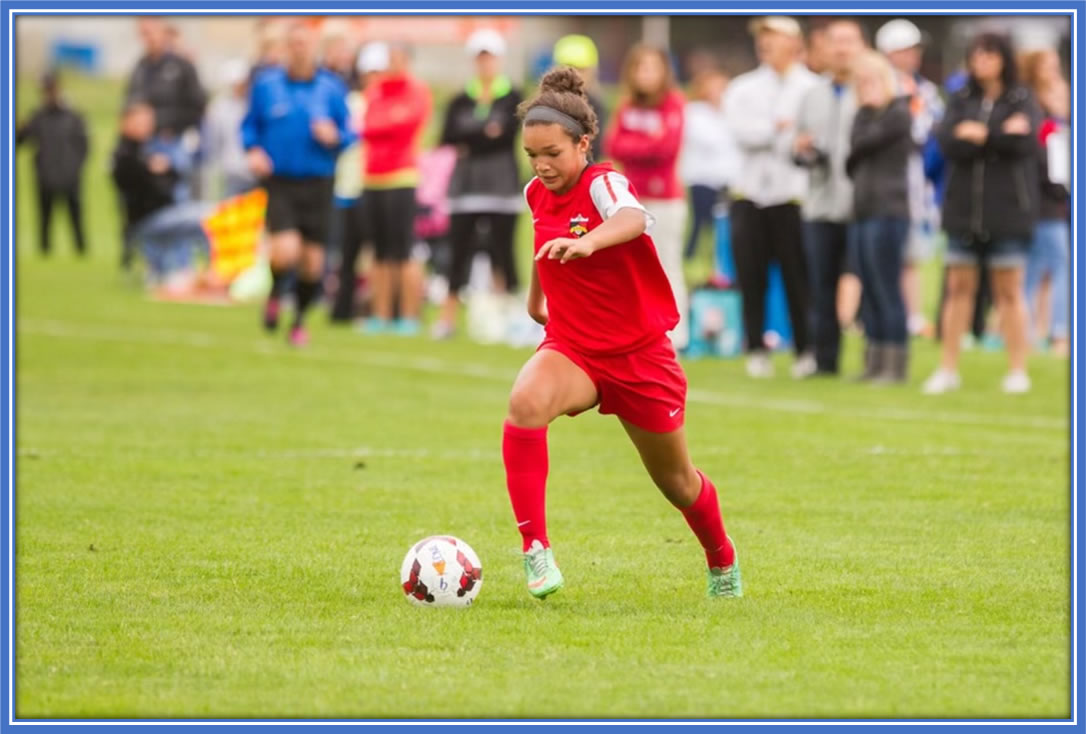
602,295
644,140
397,110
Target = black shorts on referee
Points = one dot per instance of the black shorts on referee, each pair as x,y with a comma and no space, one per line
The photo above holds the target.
303,204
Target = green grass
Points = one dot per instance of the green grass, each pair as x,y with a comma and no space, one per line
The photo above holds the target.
210,524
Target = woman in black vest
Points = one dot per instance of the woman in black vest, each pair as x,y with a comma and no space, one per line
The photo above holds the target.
484,193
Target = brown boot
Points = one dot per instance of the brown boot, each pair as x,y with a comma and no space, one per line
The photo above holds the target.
873,359
895,365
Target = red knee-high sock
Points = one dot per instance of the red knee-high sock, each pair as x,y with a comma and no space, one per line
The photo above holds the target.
704,519
524,451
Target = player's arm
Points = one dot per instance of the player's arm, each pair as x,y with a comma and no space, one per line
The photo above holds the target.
537,304
624,219
625,225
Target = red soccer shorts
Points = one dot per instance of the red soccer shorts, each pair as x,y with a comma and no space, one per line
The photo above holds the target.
646,387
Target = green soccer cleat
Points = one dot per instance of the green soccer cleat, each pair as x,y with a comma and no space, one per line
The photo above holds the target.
726,582
544,578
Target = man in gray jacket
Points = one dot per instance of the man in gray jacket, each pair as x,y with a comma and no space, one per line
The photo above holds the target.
823,127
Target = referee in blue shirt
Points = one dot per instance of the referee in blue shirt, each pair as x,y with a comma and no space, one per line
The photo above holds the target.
294,130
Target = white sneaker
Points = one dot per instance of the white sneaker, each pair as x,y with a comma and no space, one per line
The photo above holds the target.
804,366
1016,382
942,381
759,366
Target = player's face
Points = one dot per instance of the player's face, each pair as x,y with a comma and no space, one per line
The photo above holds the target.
555,158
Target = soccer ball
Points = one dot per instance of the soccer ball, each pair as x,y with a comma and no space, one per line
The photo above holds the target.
441,571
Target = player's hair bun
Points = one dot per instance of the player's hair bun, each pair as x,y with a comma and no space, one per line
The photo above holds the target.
563,80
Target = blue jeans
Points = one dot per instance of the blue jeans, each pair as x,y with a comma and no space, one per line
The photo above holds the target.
702,201
171,237
1049,255
881,250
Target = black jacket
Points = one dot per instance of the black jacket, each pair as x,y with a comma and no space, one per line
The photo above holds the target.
991,189
61,138
486,166
143,192
1055,200
596,103
170,85
878,160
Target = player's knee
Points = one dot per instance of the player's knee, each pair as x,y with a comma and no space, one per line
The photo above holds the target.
528,409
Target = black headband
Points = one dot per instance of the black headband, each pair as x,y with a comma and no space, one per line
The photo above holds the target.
542,113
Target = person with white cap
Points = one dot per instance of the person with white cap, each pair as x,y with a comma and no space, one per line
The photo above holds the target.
484,192
224,153
761,107
903,44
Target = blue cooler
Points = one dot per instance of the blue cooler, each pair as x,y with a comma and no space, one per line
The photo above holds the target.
716,324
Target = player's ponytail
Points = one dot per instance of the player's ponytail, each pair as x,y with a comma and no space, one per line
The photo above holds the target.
561,100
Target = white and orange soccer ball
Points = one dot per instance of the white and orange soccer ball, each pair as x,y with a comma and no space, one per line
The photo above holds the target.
441,571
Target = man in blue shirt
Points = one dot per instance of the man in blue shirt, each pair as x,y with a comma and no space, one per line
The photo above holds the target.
295,128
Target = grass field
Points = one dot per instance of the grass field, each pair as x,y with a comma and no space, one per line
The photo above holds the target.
211,525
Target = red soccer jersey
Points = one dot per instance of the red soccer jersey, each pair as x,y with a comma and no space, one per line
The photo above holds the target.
617,299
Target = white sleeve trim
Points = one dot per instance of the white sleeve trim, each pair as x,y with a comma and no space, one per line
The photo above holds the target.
611,192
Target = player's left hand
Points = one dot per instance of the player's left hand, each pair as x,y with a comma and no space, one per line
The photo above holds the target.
565,249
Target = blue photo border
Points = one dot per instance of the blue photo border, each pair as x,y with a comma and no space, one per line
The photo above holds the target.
12,8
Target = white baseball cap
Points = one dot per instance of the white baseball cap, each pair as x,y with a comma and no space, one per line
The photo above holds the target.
485,40
897,35
778,24
373,57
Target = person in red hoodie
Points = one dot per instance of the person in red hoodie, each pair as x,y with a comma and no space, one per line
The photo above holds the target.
600,292
397,110
644,140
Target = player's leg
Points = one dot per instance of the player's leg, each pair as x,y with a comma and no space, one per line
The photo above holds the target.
315,228
307,288
668,463
284,251
549,385
284,244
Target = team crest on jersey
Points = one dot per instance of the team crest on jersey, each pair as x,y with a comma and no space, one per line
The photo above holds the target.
578,226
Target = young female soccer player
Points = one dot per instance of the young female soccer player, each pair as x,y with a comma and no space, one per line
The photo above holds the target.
601,292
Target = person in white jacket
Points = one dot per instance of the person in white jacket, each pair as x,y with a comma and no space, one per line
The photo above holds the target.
709,158
761,108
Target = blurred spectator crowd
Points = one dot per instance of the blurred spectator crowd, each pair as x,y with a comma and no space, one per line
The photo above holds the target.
825,179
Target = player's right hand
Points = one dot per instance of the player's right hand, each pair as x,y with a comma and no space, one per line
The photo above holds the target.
259,162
